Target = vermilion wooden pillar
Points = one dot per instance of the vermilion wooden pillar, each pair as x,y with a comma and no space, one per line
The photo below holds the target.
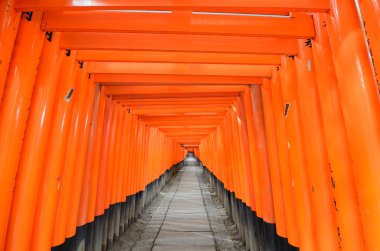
252,137
361,109
315,154
71,170
370,13
340,164
283,156
82,210
94,153
300,183
262,155
9,22
54,157
102,180
33,150
14,108
271,139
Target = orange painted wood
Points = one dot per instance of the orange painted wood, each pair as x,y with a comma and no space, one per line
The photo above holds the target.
341,166
289,126
116,156
34,146
200,100
180,110
370,11
248,110
315,152
194,117
176,57
111,153
71,171
123,156
300,183
152,79
252,6
94,153
81,180
271,139
283,156
176,95
262,155
180,69
245,152
177,42
170,106
81,158
128,155
361,109
53,165
9,22
170,89
103,170
159,123
298,26
14,106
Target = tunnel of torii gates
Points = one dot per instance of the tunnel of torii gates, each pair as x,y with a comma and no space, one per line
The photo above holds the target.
277,98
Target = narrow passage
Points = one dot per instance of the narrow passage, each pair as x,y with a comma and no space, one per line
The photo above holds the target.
182,217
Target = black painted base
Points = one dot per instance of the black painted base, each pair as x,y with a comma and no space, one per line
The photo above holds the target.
105,229
256,234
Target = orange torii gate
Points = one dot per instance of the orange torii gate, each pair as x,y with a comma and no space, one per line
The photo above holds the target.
277,98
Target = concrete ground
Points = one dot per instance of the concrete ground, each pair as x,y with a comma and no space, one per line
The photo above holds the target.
185,216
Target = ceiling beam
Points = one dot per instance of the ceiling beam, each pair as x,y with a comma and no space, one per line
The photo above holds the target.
180,69
245,6
187,133
171,89
176,57
182,117
163,128
166,106
178,101
176,95
177,42
149,79
178,110
182,123
182,22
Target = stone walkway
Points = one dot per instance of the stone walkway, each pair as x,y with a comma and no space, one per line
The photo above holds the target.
183,217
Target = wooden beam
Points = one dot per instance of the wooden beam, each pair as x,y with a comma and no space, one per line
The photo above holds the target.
176,95
177,42
298,26
177,118
166,106
163,128
178,101
244,6
180,69
176,57
187,133
171,89
183,123
178,110
117,79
